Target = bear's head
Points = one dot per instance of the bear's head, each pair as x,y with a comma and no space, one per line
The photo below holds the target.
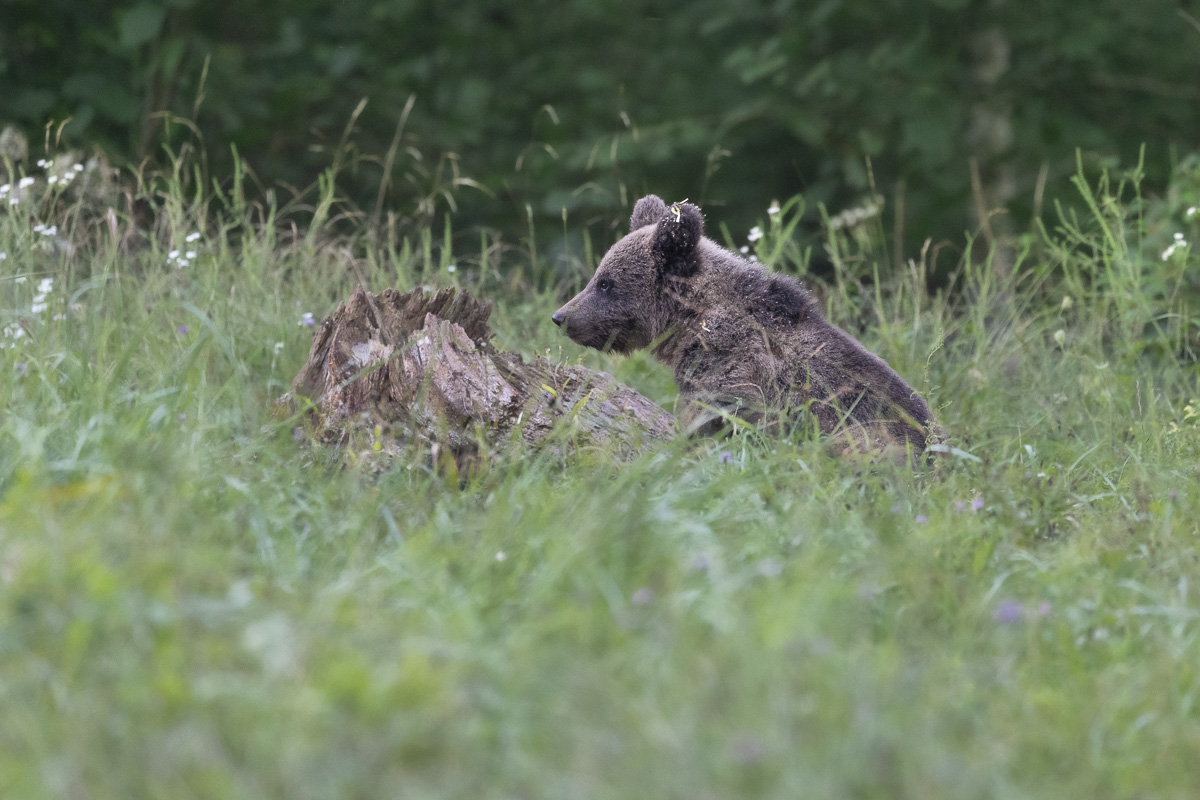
621,307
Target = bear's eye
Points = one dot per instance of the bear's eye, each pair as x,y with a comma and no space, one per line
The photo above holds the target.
604,285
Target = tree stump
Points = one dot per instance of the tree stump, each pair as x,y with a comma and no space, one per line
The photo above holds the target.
419,367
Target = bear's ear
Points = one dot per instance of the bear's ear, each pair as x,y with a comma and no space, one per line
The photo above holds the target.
647,211
677,237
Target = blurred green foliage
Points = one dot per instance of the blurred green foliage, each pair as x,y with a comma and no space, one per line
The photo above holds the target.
198,600
578,106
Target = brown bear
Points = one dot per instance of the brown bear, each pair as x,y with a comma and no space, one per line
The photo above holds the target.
742,342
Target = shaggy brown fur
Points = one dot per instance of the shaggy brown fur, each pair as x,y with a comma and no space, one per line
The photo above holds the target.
739,339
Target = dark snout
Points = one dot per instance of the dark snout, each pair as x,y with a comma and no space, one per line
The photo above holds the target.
568,318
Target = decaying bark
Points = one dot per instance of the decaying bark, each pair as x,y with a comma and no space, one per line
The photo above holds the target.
420,367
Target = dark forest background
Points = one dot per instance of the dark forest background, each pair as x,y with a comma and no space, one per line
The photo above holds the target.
576,107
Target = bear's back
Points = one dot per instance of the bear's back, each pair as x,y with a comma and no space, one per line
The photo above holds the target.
759,339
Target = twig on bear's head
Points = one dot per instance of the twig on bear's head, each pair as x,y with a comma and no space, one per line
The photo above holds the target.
675,208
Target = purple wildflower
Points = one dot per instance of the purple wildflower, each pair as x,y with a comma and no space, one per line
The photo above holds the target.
308,319
747,749
977,504
20,367
181,330
725,457
643,596
1008,612
922,518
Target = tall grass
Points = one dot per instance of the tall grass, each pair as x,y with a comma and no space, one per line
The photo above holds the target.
195,603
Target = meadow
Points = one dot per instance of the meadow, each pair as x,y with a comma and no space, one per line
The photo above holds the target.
199,601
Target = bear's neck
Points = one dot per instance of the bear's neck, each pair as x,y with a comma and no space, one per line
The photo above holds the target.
683,303
716,308
688,305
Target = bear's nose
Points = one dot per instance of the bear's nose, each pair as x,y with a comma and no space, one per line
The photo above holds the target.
557,318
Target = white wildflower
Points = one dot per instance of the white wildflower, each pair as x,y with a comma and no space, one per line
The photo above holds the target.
53,179
3,256
851,217
1170,251
770,568
25,183
278,347
180,260
12,201
773,209
500,556
189,255
43,163
58,317
274,642
77,168
754,258
19,279
5,188
39,228
45,287
51,231
451,268
1191,211
755,234
307,319
743,249
1179,237
191,237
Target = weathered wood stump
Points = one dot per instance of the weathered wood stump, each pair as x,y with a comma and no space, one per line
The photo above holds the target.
420,367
